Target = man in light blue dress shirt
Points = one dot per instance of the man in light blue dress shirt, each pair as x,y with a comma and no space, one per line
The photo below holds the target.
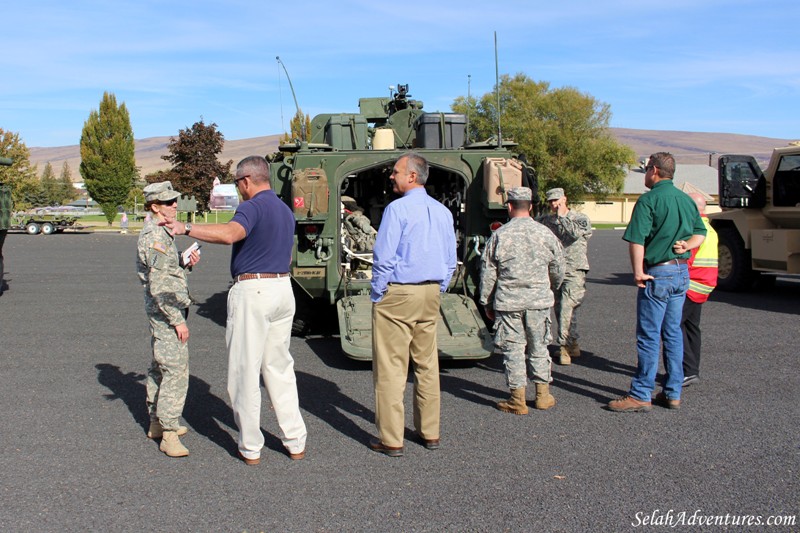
414,260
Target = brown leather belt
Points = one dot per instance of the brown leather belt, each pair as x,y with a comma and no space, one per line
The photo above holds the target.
676,261
260,275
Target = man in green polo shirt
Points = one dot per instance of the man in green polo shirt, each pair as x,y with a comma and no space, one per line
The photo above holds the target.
665,225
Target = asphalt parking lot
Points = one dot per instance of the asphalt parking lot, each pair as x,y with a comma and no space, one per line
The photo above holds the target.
74,348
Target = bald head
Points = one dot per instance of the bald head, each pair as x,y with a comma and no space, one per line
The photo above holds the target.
699,200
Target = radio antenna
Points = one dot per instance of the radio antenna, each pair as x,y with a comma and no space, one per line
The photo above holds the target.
497,90
299,114
469,103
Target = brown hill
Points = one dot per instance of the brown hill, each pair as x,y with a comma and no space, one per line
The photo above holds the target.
148,154
688,148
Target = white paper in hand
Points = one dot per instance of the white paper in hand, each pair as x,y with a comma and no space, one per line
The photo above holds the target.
188,252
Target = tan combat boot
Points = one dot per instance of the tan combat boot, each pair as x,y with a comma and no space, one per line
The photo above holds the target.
516,404
564,358
156,431
171,445
574,349
544,400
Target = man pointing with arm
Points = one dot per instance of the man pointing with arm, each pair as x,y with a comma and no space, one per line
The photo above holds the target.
261,307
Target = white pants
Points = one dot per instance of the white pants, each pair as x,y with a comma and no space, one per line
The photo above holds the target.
258,331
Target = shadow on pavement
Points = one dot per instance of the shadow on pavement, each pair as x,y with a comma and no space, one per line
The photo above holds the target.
202,411
325,400
215,308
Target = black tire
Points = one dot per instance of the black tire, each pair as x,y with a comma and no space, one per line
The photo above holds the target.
32,228
48,228
735,266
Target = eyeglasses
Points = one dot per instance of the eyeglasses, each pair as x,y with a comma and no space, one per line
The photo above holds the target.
237,180
174,201
648,168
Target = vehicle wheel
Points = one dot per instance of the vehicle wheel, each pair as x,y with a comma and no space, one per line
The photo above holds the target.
48,228
735,267
32,228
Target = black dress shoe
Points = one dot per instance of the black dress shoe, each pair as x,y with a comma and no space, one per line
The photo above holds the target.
377,446
431,444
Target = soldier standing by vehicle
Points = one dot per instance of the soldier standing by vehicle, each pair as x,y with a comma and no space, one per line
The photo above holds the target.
523,263
573,229
166,298
6,205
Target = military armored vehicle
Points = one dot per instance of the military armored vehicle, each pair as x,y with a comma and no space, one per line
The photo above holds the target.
337,182
759,226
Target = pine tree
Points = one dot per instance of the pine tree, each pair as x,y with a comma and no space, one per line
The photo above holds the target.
67,191
50,186
108,166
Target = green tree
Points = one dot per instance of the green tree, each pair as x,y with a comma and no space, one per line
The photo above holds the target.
135,200
34,194
20,176
194,162
108,165
295,126
67,190
50,186
563,132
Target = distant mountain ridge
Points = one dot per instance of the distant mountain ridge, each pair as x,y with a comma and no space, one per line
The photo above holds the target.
688,148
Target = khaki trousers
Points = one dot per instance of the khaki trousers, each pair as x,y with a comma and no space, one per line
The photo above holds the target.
404,328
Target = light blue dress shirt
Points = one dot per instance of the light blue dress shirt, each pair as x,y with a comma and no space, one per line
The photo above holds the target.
416,242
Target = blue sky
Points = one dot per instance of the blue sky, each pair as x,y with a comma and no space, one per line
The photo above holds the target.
728,66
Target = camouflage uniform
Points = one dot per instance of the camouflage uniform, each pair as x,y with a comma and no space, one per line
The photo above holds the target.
6,205
573,230
166,300
521,262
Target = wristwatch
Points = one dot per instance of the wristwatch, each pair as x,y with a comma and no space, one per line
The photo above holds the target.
187,228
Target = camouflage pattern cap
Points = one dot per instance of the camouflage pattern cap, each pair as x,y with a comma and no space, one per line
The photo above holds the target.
520,194
160,192
555,194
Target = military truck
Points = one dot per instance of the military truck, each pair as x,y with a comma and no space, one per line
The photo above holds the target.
759,226
40,221
337,182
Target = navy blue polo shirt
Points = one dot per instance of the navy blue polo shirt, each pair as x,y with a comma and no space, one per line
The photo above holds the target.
269,227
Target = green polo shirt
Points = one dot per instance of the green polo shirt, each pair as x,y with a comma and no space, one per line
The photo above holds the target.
662,216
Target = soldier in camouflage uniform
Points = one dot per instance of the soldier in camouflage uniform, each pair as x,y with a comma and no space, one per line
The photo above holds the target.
166,298
522,264
6,206
573,229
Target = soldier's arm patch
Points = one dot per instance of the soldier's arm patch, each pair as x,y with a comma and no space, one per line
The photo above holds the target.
159,247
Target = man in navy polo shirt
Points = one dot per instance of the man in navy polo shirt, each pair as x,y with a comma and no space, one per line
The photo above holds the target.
260,309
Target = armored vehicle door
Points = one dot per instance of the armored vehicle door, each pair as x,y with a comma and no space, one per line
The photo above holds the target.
461,331
741,182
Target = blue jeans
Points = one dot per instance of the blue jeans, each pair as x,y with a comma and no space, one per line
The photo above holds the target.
659,307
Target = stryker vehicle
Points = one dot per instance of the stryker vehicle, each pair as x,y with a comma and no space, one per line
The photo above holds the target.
337,183
759,226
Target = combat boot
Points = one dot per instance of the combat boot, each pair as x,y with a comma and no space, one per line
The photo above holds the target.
171,445
516,404
156,431
564,358
574,349
544,400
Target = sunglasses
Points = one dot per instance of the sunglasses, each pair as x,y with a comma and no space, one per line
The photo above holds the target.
174,201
